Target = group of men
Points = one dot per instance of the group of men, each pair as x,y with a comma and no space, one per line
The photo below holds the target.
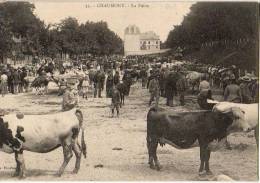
13,80
165,82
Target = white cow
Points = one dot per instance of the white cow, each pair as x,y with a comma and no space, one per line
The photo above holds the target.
250,113
42,134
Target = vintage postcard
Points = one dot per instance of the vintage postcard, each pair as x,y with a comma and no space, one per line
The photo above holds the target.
126,90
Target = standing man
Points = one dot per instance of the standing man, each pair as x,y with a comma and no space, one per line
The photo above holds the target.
128,81
115,101
154,90
16,80
204,94
162,82
143,76
170,87
98,83
116,78
245,91
4,84
232,92
181,87
109,84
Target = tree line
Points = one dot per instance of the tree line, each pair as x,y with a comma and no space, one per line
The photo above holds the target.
232,25
22,32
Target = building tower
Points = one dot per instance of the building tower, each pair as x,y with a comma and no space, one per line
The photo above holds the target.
132,40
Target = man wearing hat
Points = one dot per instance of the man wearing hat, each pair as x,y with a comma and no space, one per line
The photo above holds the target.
245,92
232,92
204,94
3,79
69,100
181,86
154,89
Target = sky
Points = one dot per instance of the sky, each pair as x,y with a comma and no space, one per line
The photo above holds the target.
159,17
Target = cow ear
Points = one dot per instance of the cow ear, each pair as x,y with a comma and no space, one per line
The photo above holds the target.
20,129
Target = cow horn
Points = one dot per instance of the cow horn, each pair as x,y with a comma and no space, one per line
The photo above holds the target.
228,110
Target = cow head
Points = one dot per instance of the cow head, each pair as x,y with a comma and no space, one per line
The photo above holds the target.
237,117
5,133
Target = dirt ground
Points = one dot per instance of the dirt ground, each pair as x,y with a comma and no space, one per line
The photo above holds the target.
127,134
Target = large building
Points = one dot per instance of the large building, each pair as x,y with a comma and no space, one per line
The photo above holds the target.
137,43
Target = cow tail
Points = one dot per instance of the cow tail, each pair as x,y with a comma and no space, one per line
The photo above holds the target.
149,126
83,143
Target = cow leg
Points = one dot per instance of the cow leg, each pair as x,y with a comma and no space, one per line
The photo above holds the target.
17,170
20,169
207,157
67,153
150,161
153,147
77,151
120,100
202,159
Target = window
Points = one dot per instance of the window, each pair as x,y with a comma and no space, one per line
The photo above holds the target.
148,42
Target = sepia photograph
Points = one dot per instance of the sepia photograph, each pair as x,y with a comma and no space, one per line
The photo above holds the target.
129,90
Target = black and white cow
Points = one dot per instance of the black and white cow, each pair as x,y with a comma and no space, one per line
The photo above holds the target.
42,134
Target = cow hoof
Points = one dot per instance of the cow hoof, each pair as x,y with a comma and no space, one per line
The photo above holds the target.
15,175
22,177
58,174
209,172
152,166
158,168
75,171
202,173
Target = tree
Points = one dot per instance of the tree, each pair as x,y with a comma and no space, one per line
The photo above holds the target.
6,41
22,23
218,23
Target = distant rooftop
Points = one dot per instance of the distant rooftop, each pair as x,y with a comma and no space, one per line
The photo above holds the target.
150,35
132,29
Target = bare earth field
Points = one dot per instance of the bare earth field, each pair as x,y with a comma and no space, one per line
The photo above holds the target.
128,135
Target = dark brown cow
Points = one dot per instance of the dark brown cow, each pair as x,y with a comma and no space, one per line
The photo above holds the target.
182,129
122,88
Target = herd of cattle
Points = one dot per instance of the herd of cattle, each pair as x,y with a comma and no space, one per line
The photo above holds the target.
182,130
204,128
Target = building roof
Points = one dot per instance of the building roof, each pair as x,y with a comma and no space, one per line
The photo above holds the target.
132,29
150,35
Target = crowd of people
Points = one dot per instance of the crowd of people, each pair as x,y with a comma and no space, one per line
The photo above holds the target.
162,78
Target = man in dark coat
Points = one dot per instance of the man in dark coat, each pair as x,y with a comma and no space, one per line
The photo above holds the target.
115,101
162,82
170,87
109,84
181,86
10,81
128,81
143,76
116,78
16,81
154,90
98,83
